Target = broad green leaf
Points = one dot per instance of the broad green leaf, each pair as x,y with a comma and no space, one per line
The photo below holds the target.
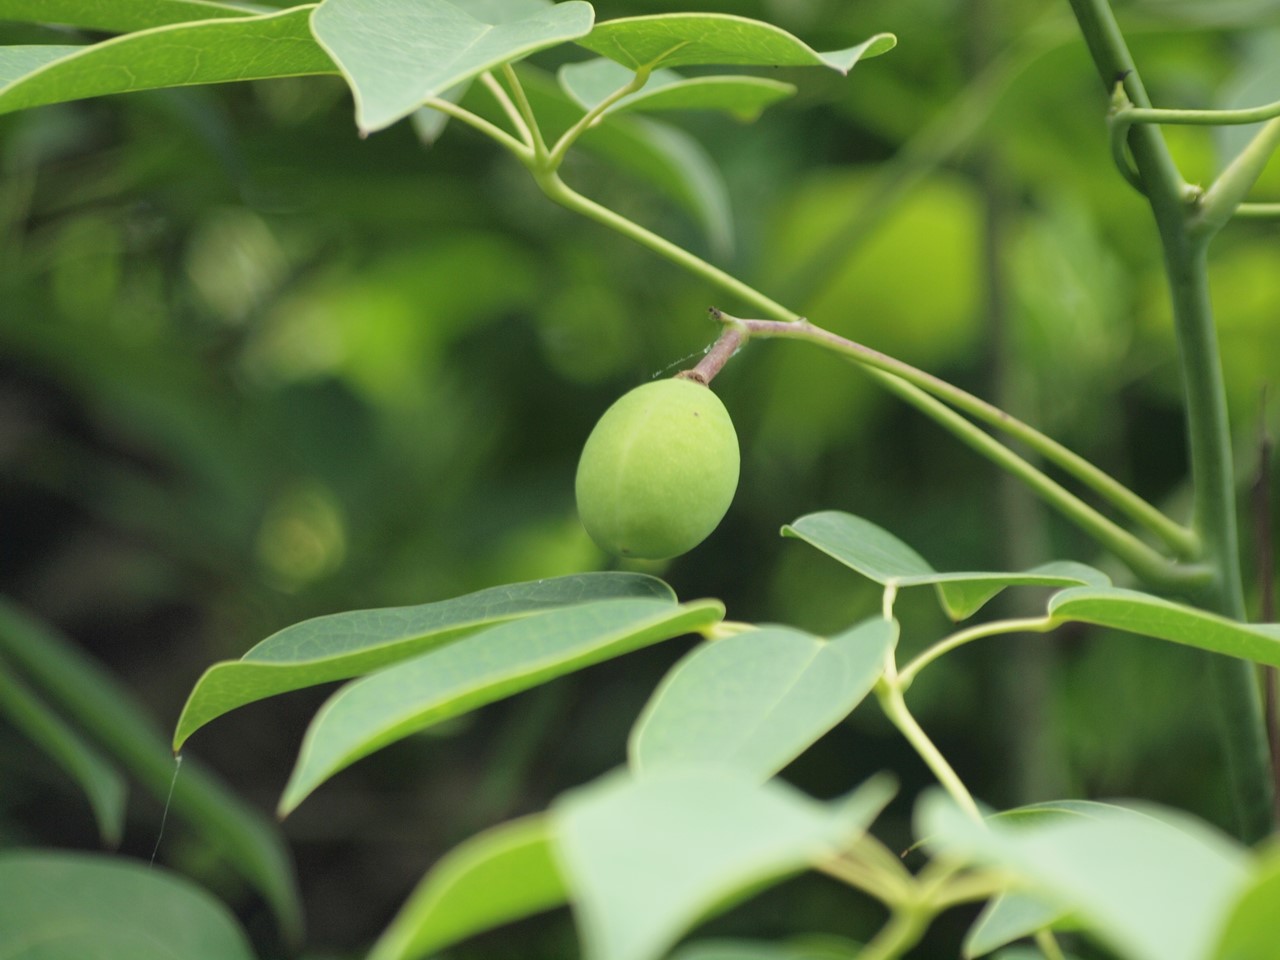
395,54
590,82
1007,918
1252,928
1153,887
387,706
682,39
646,859
104,713
803,948
122,16
210,51
756,700
880,556
661,155
1141,613
101,782
503,874
63,905
17,62
344,645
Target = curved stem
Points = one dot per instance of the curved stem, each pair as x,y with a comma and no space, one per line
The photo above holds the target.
592,117
961,637
1227,192
895,708
508,106
903,931
1181,540
1206,118
490,130
567,197
522,104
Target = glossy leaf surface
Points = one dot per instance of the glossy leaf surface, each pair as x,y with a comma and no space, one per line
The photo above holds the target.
756,700
503,874
343,645
682,39
58,904
211,51
646,859
880,556
395,54
590,82
411,696
1152,887
1151,616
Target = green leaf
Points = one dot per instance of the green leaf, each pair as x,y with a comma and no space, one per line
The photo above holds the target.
107,715
100,781
1252,929
344,645
756,700
503,874
121,16
63,905
1141,613
590,82
1153,887
880,556
805,948
211,51
681,39
1007,918
646,859
389,705
395,54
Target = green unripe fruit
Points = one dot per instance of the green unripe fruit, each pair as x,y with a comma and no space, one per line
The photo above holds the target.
659,470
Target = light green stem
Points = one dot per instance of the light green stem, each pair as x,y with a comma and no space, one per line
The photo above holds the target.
1226,194
1181,540
508,106
521,100
494,132
592,117
961,637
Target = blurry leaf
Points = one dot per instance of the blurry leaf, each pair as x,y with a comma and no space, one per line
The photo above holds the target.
756,700
402,699
664,156
679,39
806,948
121,16
646,859
343,645
1256,81
1252,929
212,51
1009,917
100,781
73,905
104,712
880,556
590,82
501,875
395,54
1152,887
1151,616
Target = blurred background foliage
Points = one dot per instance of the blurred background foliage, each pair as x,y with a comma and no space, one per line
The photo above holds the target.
254,369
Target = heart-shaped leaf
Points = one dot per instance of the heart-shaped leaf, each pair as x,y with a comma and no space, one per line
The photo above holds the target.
1154,886
506,873
209,51
681,39
369,714
590,82
121,16
60,904
756,700
344,645
880,556
1141,613
395,54
645,859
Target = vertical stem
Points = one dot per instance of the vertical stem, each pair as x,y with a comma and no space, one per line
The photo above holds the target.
1233,683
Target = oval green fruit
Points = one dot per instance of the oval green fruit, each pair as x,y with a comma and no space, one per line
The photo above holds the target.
659,470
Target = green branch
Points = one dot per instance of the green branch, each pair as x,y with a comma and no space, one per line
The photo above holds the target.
592,117
1228,191
961,637
490,130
